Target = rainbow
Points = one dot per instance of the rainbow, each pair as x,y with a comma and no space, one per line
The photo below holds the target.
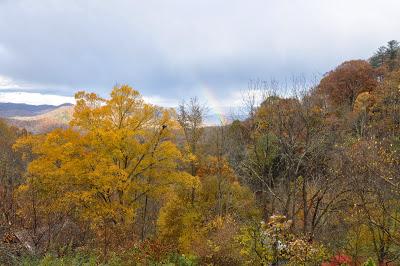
214,104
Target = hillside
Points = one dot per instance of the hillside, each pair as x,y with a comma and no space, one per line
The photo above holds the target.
22,109
37,119
315,173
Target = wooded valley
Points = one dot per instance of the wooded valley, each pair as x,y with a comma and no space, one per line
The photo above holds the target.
310,176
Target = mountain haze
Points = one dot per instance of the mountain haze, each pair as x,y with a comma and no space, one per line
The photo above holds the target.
37,118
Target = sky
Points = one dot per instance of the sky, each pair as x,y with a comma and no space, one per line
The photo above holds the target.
171,50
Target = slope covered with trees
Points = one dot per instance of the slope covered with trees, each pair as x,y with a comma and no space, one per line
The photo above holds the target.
307,179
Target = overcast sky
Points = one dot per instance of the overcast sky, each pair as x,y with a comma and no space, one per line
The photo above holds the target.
174,49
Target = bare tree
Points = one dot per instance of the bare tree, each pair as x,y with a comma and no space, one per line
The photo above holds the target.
191,119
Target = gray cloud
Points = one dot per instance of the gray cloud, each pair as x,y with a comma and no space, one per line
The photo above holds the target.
172,48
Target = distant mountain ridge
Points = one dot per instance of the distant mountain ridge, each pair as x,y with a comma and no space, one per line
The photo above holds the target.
37,118
22,109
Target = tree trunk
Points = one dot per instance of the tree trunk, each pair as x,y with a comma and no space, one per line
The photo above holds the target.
305,208
142,235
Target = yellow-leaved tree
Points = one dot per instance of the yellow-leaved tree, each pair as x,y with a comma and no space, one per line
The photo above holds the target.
109,168
208,228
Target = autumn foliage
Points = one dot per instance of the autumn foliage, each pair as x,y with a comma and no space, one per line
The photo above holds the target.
307,178
351,78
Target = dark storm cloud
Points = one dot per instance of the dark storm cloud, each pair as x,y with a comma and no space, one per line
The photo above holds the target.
173,48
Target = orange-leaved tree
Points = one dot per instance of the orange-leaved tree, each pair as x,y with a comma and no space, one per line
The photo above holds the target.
343,84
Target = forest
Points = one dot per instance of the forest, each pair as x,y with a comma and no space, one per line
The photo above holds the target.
311,176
